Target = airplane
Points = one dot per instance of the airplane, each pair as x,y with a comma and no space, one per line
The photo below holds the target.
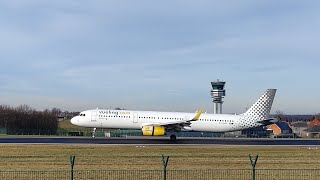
155,123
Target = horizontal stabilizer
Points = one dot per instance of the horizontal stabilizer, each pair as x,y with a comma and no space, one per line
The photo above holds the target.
268,121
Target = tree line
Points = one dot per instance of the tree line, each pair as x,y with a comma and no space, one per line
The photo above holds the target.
26,120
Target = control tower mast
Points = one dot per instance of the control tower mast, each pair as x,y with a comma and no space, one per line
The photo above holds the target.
217,93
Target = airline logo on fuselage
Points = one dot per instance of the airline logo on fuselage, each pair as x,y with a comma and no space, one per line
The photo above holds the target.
114,112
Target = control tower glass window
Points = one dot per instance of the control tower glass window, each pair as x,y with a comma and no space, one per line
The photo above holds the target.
218,87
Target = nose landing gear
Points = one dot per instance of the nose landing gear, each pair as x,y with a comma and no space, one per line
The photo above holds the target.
94,132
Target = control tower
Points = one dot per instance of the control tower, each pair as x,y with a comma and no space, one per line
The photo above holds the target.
217,93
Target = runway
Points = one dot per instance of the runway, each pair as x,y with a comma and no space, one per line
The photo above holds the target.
164,141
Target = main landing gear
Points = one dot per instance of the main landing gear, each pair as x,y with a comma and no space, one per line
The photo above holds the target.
173,138
94,132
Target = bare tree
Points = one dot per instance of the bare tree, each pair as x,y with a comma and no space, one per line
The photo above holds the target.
26,120
56,111
279,114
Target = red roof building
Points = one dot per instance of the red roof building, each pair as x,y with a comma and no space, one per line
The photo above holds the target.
280,128
315,122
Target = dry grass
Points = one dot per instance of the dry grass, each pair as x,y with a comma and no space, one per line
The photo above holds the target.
103,157
66,124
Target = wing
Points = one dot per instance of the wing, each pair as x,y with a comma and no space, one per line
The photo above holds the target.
178,125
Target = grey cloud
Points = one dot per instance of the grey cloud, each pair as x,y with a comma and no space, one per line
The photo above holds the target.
107,48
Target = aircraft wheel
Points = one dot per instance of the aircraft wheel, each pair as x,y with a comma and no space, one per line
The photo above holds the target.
173,138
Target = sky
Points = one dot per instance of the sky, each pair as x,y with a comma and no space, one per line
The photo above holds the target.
159,55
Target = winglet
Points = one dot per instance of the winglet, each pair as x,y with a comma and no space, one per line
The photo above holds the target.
196,118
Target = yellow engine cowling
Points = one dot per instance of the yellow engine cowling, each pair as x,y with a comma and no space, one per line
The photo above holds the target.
153,131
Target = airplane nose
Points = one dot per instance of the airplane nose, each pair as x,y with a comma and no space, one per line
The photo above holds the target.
74,120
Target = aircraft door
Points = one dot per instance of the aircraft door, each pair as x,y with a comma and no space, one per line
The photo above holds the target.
94,116
135,117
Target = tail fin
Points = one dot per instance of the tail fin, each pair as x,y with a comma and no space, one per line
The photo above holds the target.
260,110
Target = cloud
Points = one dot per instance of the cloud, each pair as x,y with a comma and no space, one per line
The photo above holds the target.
270,69
145,52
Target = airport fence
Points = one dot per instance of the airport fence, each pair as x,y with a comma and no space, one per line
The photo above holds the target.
159,172
200,174
231,174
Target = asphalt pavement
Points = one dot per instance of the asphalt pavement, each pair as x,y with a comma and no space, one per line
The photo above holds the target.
164,141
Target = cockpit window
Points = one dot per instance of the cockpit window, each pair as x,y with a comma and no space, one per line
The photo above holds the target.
82,114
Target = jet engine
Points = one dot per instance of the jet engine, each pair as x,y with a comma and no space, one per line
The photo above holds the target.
153,130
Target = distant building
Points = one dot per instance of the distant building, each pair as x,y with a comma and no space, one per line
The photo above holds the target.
315,122
217,93
299,127
313,132
66,115
61,117
280,128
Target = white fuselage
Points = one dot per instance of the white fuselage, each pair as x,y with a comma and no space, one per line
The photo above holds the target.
255,116
124,119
